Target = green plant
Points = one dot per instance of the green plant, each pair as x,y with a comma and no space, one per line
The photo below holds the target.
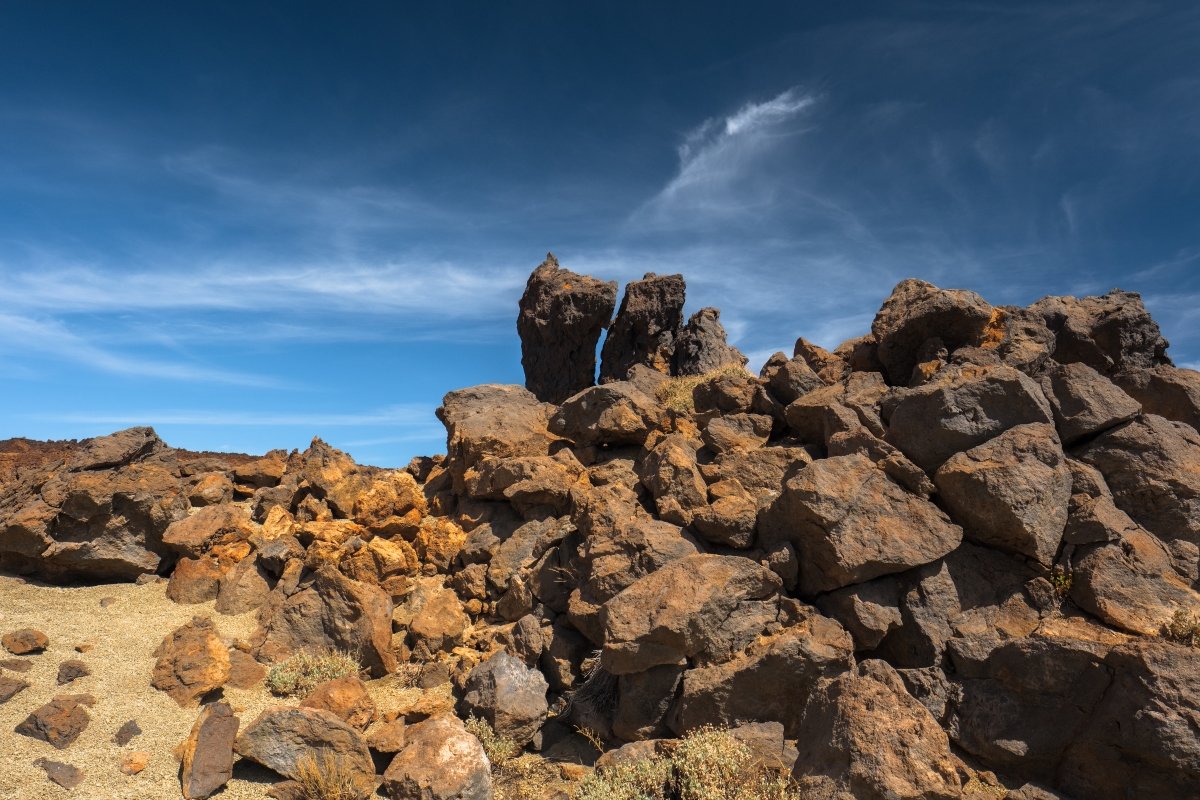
499,749
643,779
326,778
1060,579
1184,628
300,672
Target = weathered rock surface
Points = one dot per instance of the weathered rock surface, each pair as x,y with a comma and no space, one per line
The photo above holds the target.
26,641
347,698
60,722
916,312
561,316
206,757
281,738
192,661
645,328
442,761
509,695
701,345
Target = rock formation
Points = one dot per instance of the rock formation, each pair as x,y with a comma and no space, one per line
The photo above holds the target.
957,557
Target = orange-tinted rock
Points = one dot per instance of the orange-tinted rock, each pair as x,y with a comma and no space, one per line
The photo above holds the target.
59,722
281,737
347,698
26,641
207,755
192,662
134,762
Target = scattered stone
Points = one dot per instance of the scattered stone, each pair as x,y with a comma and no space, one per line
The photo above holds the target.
16,664
442,761
192,662
65,775
59,722
26,641
11,687
71,670
126,733
133,763
206,757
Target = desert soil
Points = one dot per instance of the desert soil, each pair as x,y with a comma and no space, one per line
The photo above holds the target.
123,636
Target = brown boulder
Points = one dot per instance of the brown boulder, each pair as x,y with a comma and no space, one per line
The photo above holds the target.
206,757
194,580
788,379
1169,392
561,316
673,477
197,533
10,687
1011,492
65,775
59,722
863,734
334,612
1084,401
281,738
192,662
1109,333
442,761
701,346
851,522
916,312
645,327
346,698
617,413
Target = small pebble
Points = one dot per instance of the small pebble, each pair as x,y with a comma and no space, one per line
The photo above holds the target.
135,762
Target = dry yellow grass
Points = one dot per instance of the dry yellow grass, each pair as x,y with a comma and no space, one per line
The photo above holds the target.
124,636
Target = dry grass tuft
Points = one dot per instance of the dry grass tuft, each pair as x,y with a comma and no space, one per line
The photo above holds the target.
328,779
675,394
301,672
1184,628
515,775
707,764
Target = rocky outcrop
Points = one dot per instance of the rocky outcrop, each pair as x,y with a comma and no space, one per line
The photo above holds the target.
645,328
561,316
701,346
282,738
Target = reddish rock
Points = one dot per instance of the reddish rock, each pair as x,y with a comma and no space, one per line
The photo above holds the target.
72,670
65,775
442,761
194,580
207,755
10,687
26,641
346,698
133,763
192,662
281,737
59,722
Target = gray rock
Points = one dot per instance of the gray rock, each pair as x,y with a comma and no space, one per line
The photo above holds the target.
509,695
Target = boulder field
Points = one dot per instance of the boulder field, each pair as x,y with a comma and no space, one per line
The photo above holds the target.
949,558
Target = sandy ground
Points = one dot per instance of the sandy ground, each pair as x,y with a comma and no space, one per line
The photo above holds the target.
123,636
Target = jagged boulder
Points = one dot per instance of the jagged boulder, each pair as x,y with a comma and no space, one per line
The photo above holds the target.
206,756
282,737
192,662
851,522
1011,492
1164,390
701,346
1084,401
645,327
561,316
492,420
616,413
441,761
509,695
1109,333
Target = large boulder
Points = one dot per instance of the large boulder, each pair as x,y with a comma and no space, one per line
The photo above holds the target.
281,738
687,608
1167,391
731,693
916,312
492,420
851,522
1152,466
1011,492
334,612
617,413
561,316
509,695
864,735
1109,333
701,346
645,328
442,760
192,661
1084,401
961,407
670,472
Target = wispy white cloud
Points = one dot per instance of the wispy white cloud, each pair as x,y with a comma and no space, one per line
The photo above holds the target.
25,335
718,155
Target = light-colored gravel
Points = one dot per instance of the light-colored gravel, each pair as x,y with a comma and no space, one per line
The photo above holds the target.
123,635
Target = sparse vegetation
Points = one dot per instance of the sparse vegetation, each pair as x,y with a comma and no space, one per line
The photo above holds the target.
707,764
515,775
302,671
1184,628
1060,579
499,749
326,778
675,394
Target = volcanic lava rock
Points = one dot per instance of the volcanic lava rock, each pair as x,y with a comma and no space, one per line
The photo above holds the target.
206,756
702,347
561,316
646,327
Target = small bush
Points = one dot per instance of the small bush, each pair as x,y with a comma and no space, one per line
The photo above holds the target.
301,672
1184,628
707,764
676,393
499,749
1060,579
326,778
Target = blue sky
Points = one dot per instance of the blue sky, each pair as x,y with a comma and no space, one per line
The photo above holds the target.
248,223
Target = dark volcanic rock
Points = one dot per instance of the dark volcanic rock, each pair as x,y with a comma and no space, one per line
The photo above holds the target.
509,695
1167,391
11,687
1084,401
206,762
65,775
1109,333
701,346
645,328
560,320
59,722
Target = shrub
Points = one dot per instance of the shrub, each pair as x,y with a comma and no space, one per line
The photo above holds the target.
515,775
1184,628
707,764
326,778
1060,579
499,749
299,673
675,394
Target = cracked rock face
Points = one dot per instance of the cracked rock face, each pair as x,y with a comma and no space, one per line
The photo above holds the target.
646,327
